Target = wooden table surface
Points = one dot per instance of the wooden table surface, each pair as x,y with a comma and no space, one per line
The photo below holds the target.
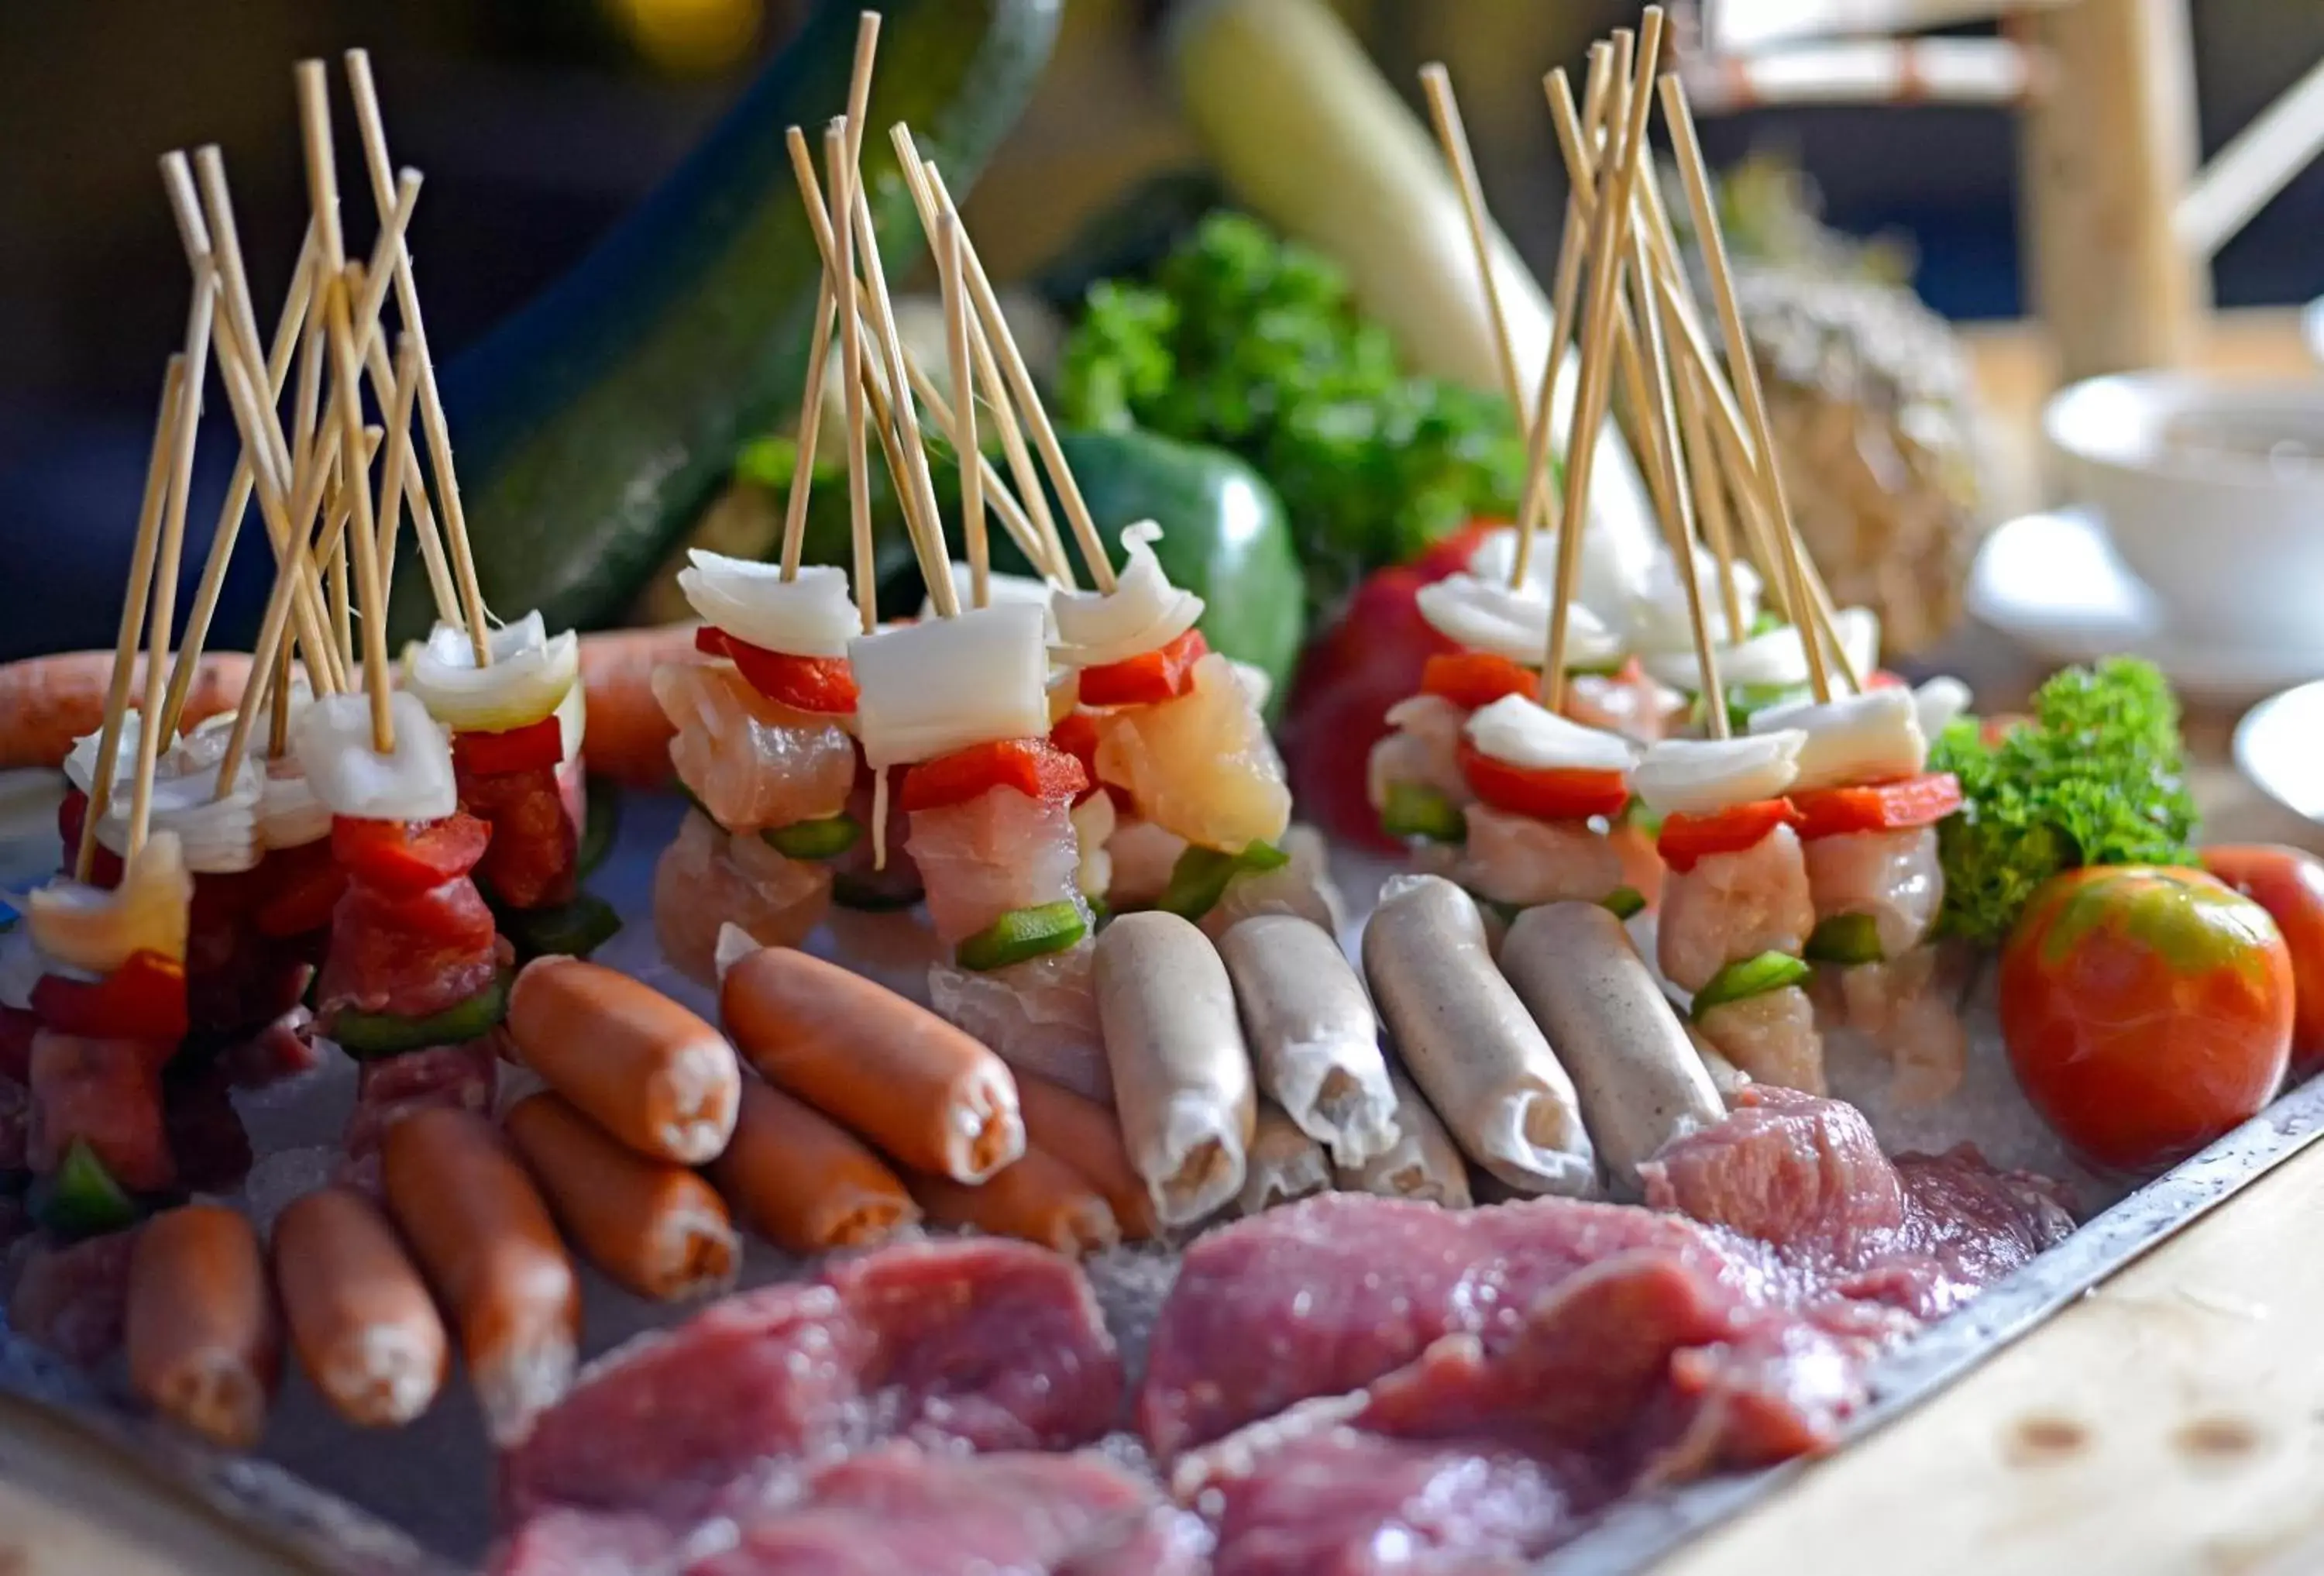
2172,1422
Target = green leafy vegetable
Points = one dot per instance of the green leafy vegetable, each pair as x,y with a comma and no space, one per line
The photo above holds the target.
2095,776
1256,344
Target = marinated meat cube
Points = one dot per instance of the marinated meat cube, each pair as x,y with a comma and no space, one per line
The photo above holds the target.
992,1344
463,1077
107,1094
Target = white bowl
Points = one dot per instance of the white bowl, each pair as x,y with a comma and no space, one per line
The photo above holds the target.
2212,493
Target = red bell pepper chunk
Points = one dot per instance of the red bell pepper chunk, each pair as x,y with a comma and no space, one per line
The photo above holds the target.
1076,735
1033,767
409,857
513,750
1880,806
1470,680
1157,676
304,885
1686,839
143,1000
805,684
1555,794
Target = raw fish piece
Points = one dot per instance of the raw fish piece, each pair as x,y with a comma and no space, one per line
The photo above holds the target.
1142,855
707,878
1771,1037
1201,765
1735,906
752,762
1516,858
1421,747
1040,1015
1893,876
997,852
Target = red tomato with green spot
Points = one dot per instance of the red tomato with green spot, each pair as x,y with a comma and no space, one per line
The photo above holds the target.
2289,883
2146,1011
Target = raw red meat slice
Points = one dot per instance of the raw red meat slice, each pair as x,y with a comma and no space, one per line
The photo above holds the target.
410,955
1325,1297
896,1510
106,1093
529,862
72,1300
585,1543
992,1344
462,1076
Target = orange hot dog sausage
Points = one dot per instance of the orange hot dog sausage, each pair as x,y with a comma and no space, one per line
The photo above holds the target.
804,1182
926,1094
360,1317
657,1228
203,1349
1087,1137
1039,1199
641,1066
487,1243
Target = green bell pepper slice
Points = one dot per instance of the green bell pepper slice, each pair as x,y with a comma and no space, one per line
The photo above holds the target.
1740,981
1199,879
82,1198
827,838
1845,938
1023,934
1416,810
370,1036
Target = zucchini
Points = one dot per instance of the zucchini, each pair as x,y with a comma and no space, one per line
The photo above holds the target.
594,424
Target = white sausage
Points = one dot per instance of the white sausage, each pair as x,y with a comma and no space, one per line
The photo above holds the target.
1469,1042
1181,1075
1424,1163
1641,1082
1315,1042
1284,1164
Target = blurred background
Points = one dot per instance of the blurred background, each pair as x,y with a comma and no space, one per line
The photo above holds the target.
538,122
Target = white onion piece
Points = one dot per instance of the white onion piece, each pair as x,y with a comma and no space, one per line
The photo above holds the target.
80,760
812,615
218,833
1694,777
573,721
98,930
289,815
1615,568
1873,737
928,689
22,966
1531,737
999,588
1656,620
333,744
1776,659
1143,612
1485,615
735,944
1939,702
530,674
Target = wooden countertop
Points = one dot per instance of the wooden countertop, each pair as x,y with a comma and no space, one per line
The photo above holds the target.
2170,1421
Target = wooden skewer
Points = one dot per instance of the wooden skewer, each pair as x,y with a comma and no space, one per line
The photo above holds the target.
916,481
1022,529
850,356
161,610
261,433
132,613
926,542
1597,338
1710,496
859,89
323,189
963,426
335,506
1678,520
810,424
1539,498
272,647
228,528
1444,111
278,732
1027,398
372,128
1695,174
399,450
989,378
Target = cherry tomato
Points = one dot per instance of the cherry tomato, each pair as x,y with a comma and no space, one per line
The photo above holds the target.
2289,883
2146,1011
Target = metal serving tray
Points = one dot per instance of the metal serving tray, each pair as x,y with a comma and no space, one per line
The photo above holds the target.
329,1499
